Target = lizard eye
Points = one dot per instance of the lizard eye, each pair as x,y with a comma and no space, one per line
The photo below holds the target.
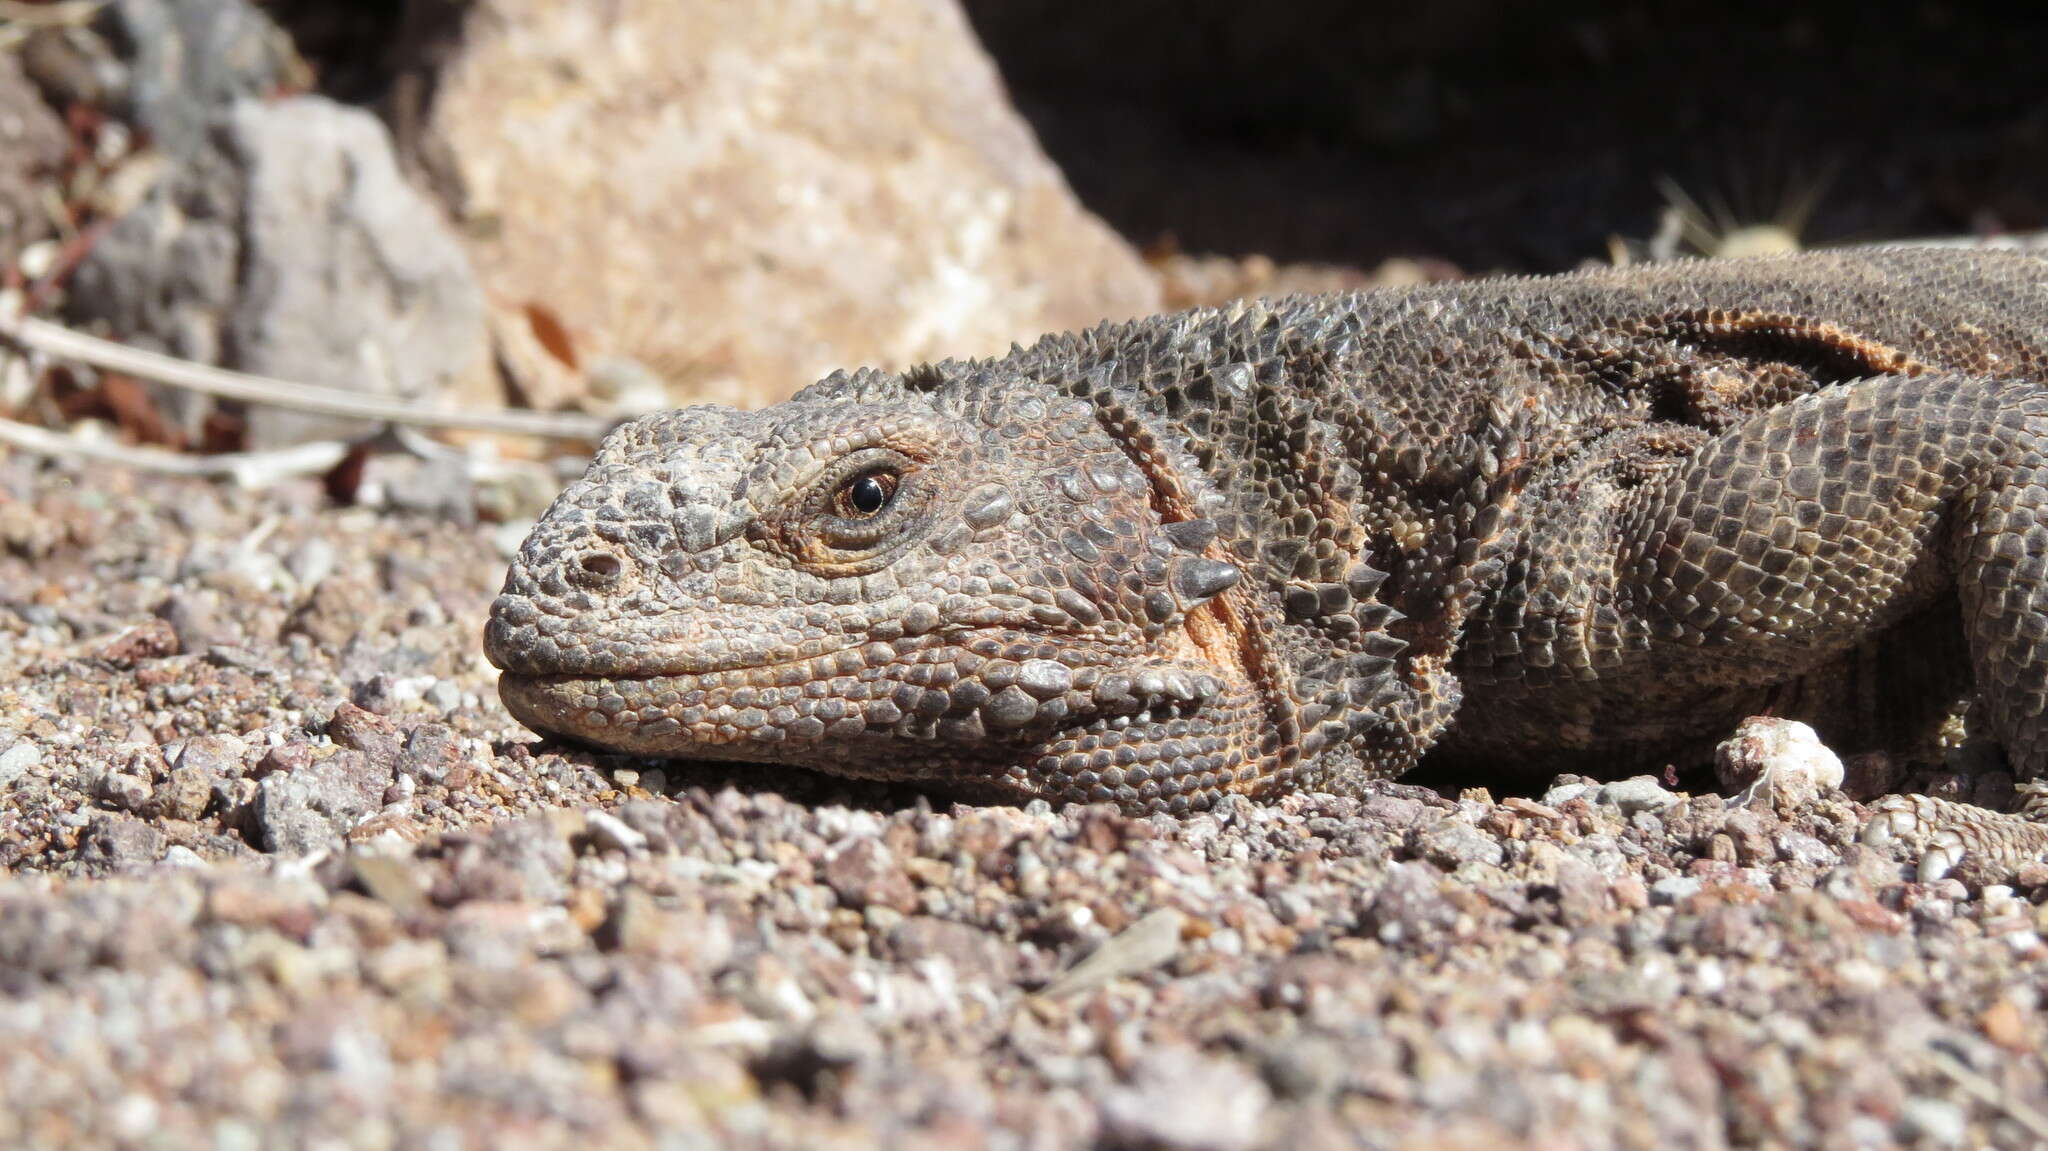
866,494
863,507
854,515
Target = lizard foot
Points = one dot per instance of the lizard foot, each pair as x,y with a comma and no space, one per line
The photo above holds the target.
1944,832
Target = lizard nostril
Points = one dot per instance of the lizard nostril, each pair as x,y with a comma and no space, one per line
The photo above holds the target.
596,569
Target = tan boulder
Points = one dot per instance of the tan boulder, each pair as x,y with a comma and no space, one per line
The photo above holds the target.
743,196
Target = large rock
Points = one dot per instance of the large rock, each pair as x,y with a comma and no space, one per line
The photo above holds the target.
349,276
743,196
291,246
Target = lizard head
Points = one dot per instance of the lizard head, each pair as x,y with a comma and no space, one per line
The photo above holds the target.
945,576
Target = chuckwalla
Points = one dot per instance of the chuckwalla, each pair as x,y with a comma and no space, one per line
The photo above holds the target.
1585,521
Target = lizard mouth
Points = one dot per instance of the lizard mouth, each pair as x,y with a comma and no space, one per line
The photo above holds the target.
705,711
658,715
1156,733
998,712
690,645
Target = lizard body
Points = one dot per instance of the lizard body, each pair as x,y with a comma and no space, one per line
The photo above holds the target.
1300,543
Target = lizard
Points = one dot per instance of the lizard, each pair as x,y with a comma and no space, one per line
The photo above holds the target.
1304,543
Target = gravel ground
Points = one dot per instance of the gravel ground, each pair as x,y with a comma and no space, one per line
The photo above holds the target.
280,871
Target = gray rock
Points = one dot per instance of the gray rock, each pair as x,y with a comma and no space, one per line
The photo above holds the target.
1643,793
1303,1068
973,953
214,754
864,873
440,487
180,856
1799,847
1452,843
292,247
1674,889
162,274
1179,1098
120,843
188,789
1564,793
311,561
377,695
526,859
432,751
188,59
1583,895
1395,810
309,809
1936,1122
16,761
195,614
609,833
444,696
122,792
394,307
1411,905
368,732
286,822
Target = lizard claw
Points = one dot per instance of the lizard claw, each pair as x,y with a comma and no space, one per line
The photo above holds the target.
1887,826
1937,862
1898,821
1916,822
1945,833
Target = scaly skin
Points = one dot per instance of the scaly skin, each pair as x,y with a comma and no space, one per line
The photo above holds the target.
1293,544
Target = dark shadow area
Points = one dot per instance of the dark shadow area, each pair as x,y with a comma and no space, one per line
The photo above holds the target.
384,55
1523,136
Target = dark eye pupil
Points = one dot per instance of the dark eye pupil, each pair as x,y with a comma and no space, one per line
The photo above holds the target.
867,495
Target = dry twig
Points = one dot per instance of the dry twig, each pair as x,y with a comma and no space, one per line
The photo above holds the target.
250,469
58,341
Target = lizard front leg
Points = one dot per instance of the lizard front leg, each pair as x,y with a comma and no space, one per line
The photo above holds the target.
1656,597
